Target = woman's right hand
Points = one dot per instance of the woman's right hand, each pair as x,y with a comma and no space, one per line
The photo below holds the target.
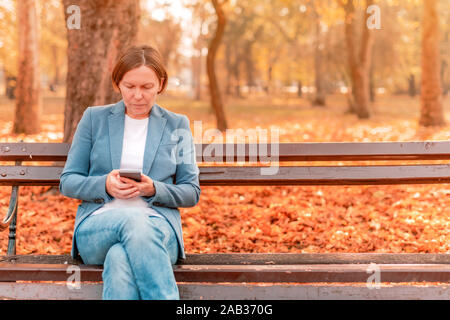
119,189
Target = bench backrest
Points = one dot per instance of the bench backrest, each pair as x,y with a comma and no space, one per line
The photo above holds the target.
264,164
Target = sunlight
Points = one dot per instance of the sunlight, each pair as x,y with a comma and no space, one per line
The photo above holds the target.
162,9
159,10
7,4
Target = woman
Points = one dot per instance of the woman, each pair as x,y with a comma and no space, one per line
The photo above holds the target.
132,228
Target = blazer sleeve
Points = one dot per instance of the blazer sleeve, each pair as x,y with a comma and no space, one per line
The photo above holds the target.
185,192
75,181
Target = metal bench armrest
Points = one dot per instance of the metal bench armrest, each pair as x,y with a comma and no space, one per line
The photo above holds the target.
13,201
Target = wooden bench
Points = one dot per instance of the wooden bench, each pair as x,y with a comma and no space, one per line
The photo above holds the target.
249,276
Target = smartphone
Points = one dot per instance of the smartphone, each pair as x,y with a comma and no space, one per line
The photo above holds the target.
131,174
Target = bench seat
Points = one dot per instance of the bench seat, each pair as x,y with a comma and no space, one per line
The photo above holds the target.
251,275
251,267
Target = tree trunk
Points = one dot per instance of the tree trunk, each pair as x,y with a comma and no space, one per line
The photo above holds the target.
359,64
56,74
28,96
237,75
216,100
272,61
444,66
249,68
248,58
228,67
268,87
107,29
196,61
432,113
412,85
319,99
372,90
299,89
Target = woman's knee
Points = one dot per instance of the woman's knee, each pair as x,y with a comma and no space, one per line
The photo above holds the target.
136,230
116,263
116,254
117,268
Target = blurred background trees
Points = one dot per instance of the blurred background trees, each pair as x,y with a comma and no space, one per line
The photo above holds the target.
315,50
432,112
28,90
214,90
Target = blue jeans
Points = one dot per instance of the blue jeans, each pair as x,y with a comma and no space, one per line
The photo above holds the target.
137,252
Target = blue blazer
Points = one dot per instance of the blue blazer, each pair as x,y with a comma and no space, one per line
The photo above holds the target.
169,160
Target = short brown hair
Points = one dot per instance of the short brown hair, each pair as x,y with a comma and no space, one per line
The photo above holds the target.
137,56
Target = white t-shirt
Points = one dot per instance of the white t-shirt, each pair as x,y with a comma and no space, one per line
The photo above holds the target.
134,138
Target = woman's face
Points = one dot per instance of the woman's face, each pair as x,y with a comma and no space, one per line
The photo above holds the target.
139,88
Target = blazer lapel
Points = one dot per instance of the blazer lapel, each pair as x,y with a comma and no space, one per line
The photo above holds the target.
156,125
116,127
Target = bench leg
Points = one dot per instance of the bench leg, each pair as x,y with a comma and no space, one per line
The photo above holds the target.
12,234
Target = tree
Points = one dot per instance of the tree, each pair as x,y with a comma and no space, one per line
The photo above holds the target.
8,45
238,25
432,113
106,29
358,61
53,42
165,35
297,22
28,99
215,96
248,58
201,18
319,70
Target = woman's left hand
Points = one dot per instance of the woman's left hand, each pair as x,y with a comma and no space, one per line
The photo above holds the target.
145,188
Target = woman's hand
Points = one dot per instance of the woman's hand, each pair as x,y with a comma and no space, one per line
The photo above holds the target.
118,188
125,188
145,188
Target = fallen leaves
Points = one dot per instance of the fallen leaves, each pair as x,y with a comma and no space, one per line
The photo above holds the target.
323,219
269,219
44,224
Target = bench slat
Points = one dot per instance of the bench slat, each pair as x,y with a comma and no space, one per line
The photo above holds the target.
314,258
27,151
330,175
252,273
311,273
30,175
306,151
265,258
239,291
326,151
251,176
